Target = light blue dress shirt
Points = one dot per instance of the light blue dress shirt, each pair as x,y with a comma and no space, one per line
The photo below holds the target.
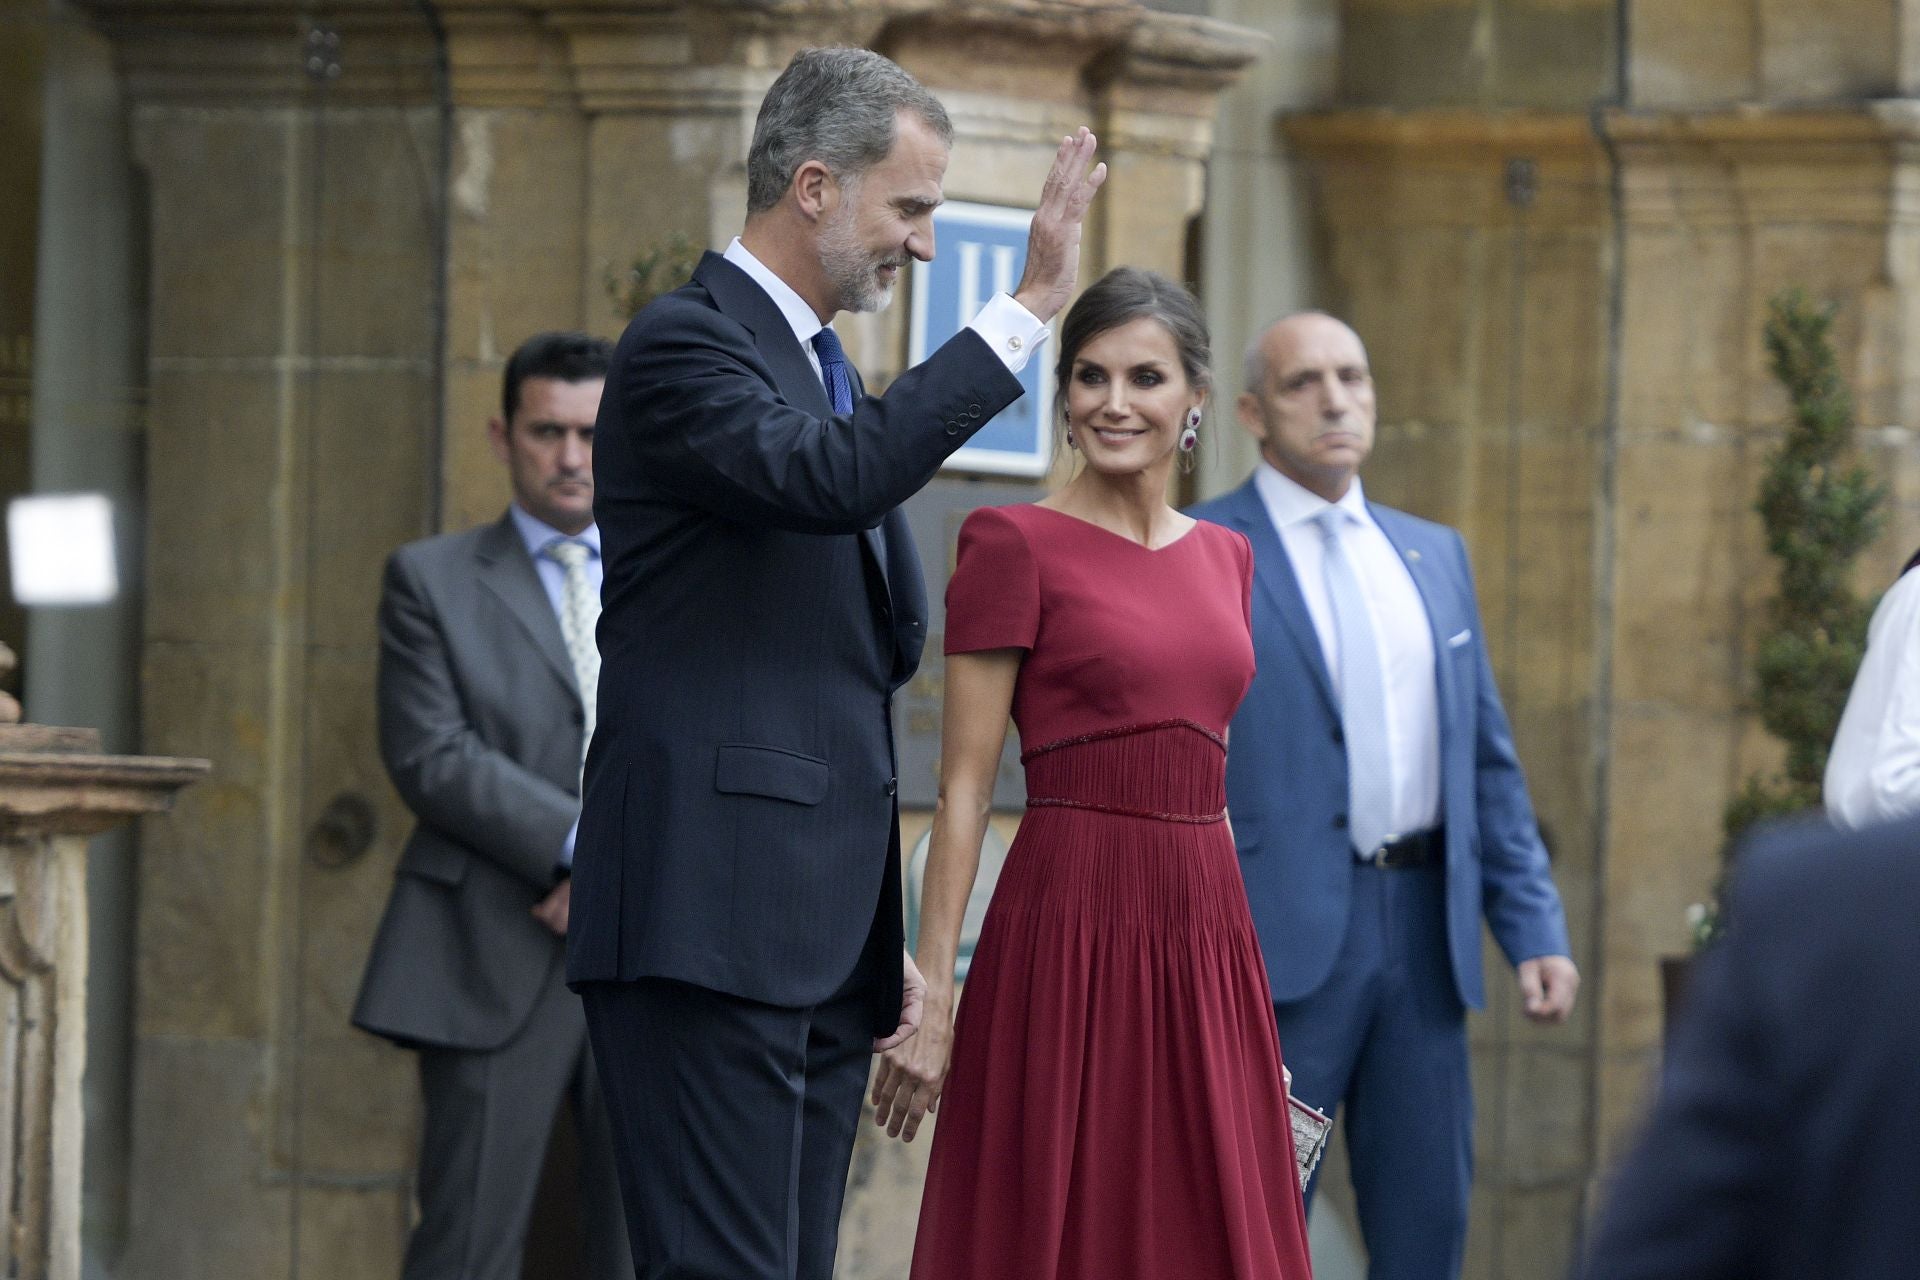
538,535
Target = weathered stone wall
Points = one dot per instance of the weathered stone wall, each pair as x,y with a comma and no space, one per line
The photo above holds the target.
1720,212
1577,380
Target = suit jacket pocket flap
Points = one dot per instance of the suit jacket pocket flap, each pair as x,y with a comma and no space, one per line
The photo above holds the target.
771,772
435,860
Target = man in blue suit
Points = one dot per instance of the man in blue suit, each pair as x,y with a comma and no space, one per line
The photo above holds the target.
1376,800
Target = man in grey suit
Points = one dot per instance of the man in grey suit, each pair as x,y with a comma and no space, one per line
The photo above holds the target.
488,672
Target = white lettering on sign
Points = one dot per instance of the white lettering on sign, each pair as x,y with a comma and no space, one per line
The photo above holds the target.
970,296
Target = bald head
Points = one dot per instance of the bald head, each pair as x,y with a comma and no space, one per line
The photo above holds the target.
1309,401
1259,360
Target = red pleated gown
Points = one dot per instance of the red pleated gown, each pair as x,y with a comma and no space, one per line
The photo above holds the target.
1115,1109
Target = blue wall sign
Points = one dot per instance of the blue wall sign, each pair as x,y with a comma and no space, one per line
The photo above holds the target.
979,250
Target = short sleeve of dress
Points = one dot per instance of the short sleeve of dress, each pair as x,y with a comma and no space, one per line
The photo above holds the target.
993,598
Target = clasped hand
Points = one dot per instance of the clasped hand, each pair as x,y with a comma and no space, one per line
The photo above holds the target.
907,1086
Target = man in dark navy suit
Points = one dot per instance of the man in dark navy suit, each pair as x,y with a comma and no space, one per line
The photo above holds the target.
736,918
1376,799
1785,1143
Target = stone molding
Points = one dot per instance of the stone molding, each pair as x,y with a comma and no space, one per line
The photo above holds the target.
1437,137
54,792
599,56
1452,168
1754,165
68,793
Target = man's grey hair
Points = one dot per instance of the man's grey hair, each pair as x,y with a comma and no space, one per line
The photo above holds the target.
837,106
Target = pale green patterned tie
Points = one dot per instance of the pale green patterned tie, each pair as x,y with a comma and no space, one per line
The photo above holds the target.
579,611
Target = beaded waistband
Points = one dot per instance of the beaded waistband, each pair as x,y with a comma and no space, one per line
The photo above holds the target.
1121,732
1050,779
1056,802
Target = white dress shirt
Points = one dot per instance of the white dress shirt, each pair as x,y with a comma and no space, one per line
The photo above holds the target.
537,535
1401,632
1873,774
1009,328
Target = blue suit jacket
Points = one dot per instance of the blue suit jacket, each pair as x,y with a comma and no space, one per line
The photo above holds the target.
1287,771
1782,1143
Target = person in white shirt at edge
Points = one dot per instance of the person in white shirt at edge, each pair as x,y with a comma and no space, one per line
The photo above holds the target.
1873,773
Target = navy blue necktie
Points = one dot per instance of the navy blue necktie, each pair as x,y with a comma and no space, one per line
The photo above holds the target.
833,370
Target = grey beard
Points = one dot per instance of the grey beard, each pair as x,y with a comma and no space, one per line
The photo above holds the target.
853,272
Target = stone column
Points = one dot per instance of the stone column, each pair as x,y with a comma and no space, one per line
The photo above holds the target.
56,790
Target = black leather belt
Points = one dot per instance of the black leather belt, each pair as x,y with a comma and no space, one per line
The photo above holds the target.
1416,850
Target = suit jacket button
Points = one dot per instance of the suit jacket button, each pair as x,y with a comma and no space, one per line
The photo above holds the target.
953,428
1339,822
1339,738
579,715
893,786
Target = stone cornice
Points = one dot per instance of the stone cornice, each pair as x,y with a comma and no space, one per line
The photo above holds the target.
672,56
1176,51
1455,168
1441,136
1755,165
69,793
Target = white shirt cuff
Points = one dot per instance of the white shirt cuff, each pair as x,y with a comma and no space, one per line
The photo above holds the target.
566,850
1010,330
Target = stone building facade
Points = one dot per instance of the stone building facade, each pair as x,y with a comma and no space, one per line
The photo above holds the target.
282,251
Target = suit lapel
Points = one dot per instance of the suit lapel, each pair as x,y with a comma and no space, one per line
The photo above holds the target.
877,538
1420,556
1273,573
740,297
507,570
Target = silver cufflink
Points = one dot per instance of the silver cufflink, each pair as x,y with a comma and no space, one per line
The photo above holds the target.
1013,343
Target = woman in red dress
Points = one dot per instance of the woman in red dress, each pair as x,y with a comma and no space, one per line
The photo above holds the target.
1111,1100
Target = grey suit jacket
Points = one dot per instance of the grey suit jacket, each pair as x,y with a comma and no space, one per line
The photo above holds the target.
480,723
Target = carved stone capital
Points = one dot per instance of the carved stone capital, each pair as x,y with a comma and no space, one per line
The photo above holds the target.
1755,165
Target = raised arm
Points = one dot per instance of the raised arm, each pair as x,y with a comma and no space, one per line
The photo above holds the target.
978,701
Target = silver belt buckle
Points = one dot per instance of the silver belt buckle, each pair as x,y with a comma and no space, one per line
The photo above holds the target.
1377,856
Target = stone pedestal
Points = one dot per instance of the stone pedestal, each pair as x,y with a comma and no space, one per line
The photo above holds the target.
56,790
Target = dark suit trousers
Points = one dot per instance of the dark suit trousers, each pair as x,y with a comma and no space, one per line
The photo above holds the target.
1385,1039
734,1124
489,1115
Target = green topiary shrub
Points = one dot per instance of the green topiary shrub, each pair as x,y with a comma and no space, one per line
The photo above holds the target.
1820,513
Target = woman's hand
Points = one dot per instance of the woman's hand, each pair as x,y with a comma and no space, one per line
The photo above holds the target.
911,1074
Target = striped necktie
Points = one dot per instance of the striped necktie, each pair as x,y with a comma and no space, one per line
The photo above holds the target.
833,369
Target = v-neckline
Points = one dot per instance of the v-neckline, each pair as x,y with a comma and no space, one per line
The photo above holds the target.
1121,537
